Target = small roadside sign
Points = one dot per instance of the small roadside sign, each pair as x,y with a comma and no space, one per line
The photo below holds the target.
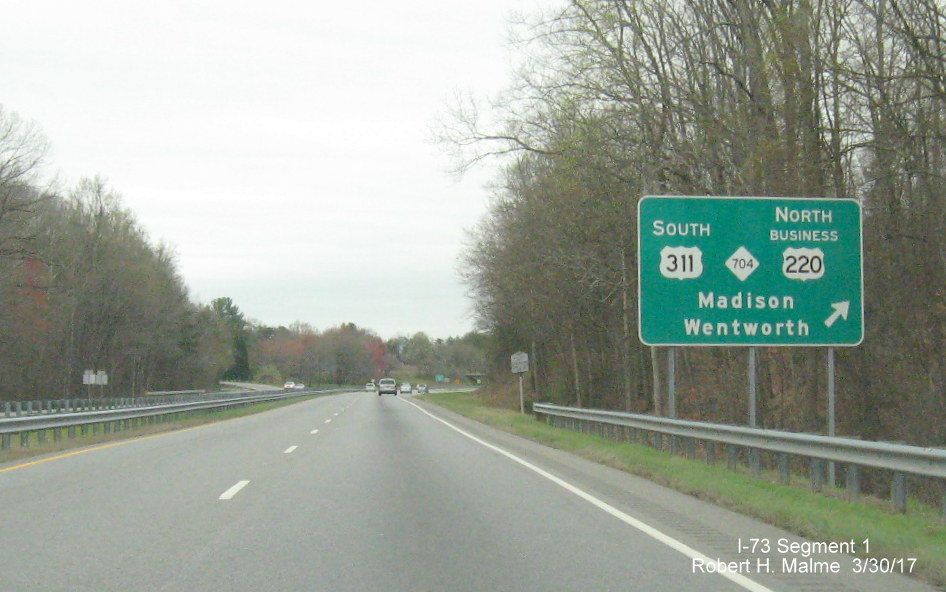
520,362
520,365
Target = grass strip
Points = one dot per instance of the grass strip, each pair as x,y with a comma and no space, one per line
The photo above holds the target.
42,444
921,533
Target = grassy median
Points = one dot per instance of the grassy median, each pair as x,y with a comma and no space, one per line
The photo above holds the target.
921,533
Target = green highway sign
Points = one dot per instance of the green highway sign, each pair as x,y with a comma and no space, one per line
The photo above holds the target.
750,271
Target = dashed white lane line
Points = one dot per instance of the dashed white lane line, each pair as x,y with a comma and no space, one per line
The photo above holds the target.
228,494
314,432
328,421
290,450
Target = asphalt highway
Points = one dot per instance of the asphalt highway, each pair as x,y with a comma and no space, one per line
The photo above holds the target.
355,492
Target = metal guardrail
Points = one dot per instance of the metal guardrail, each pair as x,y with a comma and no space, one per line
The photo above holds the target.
899,458
56,406
81,417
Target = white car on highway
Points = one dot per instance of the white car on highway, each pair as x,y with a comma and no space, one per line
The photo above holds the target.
387,385
405,388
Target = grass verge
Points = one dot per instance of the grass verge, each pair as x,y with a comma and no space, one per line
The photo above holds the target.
919,534
42,444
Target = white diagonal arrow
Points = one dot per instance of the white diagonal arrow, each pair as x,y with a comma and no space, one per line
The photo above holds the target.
840,310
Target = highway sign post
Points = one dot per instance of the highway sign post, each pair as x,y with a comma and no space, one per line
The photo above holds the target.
92,377
750,271
88,379
520,365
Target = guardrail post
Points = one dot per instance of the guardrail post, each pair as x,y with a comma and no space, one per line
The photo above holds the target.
755,461
710,452
72,432
731,456
6,408
24,439
816,472
691,448
898,492
41,437
784,469
942,505
5,442
57,434
853,482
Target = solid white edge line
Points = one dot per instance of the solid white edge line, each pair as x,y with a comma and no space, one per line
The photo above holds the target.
650,531
289,450
228,494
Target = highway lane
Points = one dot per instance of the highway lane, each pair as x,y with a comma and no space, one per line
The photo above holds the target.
348,492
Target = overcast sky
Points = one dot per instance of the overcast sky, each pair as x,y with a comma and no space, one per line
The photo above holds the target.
282,148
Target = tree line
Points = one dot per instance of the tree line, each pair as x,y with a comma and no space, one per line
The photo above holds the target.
351,355
82,287
614,100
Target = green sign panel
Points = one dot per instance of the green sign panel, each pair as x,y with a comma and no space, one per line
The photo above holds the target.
750,271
